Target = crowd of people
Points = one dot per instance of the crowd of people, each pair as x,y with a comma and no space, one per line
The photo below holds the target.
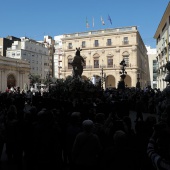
79,132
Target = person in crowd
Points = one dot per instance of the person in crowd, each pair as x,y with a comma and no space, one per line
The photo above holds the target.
13,137
139,105
86,148
158,149
120,156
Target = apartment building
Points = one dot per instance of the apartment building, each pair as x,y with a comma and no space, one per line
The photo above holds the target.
5,43
49,44
34,52
103,51
153,66
162,47
58,56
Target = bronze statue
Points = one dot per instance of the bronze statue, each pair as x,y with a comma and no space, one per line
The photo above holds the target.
77,64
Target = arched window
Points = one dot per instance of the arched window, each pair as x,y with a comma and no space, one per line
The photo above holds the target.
126,58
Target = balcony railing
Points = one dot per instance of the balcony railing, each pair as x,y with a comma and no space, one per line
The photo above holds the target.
108,43
70,47
96,45
105,31
92,67
125,42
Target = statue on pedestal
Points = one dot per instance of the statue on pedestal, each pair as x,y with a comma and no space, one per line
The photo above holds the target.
77,64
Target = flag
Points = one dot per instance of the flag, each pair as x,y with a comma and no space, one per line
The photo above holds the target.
93,21
102,21
110,19
87,24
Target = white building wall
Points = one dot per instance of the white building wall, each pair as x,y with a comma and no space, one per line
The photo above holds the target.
58,56
32,51
151,58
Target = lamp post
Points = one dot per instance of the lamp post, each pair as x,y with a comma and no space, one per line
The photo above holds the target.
31,79
48,79
102,78
122,73
138,81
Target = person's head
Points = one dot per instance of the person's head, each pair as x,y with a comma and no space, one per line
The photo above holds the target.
120,138
78,51
75,117
88,125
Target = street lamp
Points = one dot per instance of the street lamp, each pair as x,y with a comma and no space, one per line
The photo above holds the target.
122,73
30,76
138,81
48,79
103,78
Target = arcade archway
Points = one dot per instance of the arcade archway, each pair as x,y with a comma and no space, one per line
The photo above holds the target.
110,81
128,81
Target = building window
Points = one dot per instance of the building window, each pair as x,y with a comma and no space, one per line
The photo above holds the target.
109,42
164,27
69,65
96,43
18,53
13,54
125,40
110,62
70,46
126,58
96,63
158,39
83,44
8,54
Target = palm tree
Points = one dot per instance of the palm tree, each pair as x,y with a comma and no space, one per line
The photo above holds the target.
34,79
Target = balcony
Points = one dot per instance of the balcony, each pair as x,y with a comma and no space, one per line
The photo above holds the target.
110,66
93,67
96,45
109,44
125,42
70,47
83,46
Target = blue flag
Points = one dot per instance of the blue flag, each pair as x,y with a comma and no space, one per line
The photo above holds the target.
110,19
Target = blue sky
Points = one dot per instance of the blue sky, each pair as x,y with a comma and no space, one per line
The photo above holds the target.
36,18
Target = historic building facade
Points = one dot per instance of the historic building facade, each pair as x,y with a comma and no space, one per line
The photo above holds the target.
14,73
103,50
162,47
34,52
6,43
